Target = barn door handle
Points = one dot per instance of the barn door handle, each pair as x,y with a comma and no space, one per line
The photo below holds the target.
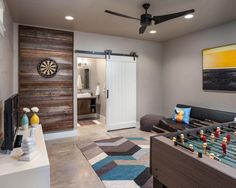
107,93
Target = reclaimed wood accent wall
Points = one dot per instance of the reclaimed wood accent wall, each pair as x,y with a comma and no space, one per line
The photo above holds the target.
53,96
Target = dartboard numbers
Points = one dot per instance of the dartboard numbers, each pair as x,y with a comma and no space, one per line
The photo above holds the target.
47,68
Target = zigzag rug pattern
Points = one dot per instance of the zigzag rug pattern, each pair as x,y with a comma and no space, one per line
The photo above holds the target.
120,162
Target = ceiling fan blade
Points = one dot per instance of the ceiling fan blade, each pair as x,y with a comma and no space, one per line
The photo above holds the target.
163,18
142,29
121,15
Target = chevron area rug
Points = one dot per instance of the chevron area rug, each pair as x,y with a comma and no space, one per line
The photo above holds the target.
120,162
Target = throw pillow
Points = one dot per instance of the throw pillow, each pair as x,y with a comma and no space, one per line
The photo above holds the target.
182,115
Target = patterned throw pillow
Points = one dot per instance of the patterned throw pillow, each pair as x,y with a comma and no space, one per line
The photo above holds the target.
182,115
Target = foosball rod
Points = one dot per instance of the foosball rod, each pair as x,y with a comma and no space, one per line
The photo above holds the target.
231,129
182,145
230,156
200,146
218,154
229,152
234,140
228,129
210,132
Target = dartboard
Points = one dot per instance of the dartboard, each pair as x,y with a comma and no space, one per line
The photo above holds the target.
47,68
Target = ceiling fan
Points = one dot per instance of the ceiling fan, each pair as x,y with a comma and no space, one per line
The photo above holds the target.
146,19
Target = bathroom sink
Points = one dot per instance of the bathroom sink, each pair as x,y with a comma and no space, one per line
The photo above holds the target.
83,95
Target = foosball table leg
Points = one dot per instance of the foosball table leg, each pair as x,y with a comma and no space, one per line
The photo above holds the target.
157,184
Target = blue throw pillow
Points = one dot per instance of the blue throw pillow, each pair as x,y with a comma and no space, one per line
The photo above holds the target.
182,115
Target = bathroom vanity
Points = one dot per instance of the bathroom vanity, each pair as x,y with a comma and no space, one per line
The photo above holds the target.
86,106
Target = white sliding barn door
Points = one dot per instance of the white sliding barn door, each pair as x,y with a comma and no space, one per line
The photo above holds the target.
121,87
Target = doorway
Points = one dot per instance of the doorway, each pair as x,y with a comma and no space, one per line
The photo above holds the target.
106,91
91,91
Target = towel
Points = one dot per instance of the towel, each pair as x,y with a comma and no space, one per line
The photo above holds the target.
97,90
79,82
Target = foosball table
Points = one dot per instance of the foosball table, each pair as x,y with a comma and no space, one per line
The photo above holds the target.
204,157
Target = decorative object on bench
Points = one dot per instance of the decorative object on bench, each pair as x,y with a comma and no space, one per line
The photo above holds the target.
182,115
219,68
25,119
34,120
28,147
148,121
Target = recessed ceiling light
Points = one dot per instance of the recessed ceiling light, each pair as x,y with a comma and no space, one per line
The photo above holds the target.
189,16
152,31
69,18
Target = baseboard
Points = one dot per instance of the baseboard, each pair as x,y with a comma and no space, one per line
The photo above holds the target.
124,125
87,116
59,135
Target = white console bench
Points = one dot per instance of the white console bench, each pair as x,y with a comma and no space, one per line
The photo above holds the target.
26,174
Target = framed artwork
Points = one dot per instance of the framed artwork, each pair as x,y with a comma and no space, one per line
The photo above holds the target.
219,68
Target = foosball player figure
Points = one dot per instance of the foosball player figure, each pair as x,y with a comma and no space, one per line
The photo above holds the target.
212,137
217,133
174,139
224,145
201,134
235,133
182,138
191,146
212,155
228,137
224,140
204,139
204,145
218,129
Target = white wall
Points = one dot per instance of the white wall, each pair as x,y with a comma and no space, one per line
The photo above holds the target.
182,70
6,57
149,98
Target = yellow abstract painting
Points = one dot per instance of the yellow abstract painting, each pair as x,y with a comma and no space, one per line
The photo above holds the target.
219,68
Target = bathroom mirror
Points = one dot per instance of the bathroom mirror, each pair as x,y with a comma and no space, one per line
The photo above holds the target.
83,78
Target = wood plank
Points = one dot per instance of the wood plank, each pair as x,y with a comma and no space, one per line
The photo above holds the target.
45,33
31,85
53,96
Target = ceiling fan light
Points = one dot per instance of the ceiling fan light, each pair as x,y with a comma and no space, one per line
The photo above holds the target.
152,31
188,16
69,18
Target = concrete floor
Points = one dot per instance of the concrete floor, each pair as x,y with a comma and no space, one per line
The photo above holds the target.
69,167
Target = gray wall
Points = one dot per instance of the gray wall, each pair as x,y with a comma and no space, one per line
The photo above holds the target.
148,65
182,70
6,58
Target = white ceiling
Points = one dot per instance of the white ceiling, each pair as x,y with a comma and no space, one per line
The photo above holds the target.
90,17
